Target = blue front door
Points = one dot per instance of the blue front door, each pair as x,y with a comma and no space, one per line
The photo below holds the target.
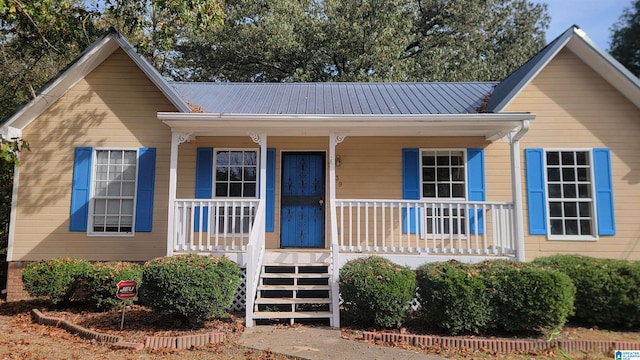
302,204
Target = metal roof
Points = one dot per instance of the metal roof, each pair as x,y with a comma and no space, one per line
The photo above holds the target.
336,98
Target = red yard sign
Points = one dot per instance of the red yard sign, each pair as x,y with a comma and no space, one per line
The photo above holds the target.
127,289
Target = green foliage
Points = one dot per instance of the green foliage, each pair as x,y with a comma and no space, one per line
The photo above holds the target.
454,297
365,40
607,294
525,297
196,287
101,279
9,151
376,291
56,279
625,33
461,298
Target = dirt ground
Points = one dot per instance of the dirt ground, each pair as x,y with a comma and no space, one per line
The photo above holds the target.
20,338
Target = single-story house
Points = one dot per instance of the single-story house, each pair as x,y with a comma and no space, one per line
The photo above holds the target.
291,180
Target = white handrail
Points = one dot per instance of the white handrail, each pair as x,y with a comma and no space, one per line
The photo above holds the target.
334,268
255,256
424,226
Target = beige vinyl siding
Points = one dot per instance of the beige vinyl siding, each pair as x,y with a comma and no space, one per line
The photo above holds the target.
113,107
576,108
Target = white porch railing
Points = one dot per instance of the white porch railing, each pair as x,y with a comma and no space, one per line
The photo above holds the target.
213,225
417,226
255,255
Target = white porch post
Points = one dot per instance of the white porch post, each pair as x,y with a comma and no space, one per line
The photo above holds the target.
261,139
334,139
516,188
177,138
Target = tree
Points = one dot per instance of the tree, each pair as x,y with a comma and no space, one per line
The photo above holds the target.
625,38
366,40
469,40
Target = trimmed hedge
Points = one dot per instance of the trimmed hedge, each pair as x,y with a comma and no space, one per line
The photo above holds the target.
454,297
461,298
196,287
376,291
57,279
101,279
608,291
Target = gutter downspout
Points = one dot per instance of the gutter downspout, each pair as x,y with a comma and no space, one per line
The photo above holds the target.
516,188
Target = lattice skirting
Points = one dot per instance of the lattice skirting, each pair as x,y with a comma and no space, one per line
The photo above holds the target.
240,301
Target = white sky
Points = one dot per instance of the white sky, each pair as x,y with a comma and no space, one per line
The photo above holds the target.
595,17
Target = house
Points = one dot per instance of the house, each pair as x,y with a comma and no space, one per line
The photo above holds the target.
293,180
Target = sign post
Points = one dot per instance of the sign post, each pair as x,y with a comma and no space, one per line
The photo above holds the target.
127,289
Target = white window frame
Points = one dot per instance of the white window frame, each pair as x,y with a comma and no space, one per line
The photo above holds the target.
229,221
594,213
460,217
94,163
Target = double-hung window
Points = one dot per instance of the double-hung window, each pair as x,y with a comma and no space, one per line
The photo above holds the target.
443,179
236,176
112,208
570,192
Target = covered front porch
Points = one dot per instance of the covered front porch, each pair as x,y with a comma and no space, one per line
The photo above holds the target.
347,214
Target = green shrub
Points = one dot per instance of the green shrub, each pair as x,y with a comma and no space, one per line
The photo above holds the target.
101,280
525,297
377,291
454,297
196,287
56,279
608,291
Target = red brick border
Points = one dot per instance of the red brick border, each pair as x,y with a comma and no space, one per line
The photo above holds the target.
151,342
500,345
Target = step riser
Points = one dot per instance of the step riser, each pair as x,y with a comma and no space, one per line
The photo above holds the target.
293,257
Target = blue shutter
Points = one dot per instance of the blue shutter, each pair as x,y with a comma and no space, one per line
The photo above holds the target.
81,189
271,190
144,195
411,188
204,185
604,191
476,187
536,194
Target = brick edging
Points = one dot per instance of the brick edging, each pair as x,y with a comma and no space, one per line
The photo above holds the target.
151,342
500,345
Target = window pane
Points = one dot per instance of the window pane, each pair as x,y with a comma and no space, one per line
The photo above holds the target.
102,157
250,158
457,174
569,191
443,174
221,190
129,173
101,188
429,174
116,156
583,174
568,174
555,209
429,190
101,172
555,191
582,158
113,189
112,220
249,190
235,173
113,207
99,206
456,160
127,207
443,191
567,158
428,160
98,220
553,174
235,158
222,158
556,227
553,158
222,174
585,227
128,189
583,191
115,172
572,227
585,209
130,157
442,160
570,209
126,222
235,190
249,174
458,190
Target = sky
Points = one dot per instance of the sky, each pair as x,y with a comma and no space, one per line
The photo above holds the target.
594,17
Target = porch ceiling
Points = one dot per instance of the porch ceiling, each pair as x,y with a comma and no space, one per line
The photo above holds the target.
490,126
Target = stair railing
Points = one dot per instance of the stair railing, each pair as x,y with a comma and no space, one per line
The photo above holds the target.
255,256
334,268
